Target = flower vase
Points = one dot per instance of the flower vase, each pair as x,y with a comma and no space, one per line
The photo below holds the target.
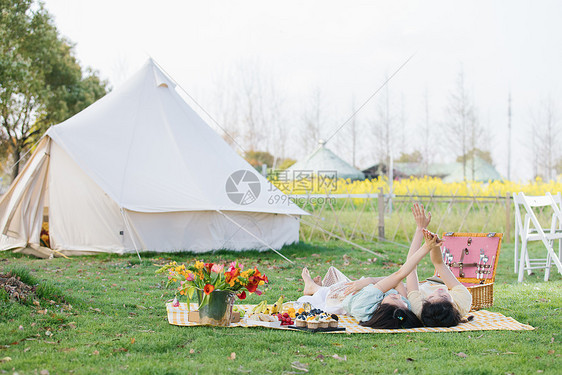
218,309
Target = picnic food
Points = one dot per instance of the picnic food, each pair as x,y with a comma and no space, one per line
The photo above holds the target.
264,308
291,312
262,317
277,306
285,319
315,318
239,310
300,321
334,320
313,324
323,319
260,307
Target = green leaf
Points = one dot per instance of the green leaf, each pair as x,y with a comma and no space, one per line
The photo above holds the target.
190,291
204,300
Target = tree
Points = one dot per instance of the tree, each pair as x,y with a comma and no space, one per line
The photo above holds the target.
347,138
385,131
40,81
250,110
278,134
313,118
352,134
462,125
413,157
227,110
259,158
558,166
285,163
477,153
427,138
545,134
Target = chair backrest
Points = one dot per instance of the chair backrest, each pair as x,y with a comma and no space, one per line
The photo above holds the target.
538,201
556,204
557,198
517,202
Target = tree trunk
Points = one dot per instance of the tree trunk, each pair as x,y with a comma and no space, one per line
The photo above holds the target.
16,166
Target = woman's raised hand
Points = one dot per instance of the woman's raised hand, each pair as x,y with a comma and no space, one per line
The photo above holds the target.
422,221
432,240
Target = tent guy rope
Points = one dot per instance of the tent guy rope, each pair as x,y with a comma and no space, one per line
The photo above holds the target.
256,237
127,224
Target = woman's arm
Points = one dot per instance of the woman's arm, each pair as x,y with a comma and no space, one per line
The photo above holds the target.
444,272
357,285
422,221
394,279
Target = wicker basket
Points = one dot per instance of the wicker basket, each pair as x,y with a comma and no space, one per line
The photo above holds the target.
481,287
482,295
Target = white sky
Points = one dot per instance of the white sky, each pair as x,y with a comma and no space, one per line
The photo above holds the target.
343,48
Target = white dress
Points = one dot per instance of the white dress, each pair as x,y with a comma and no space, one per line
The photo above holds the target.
330,295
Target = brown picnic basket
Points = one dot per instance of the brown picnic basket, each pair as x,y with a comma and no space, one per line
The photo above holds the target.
473,259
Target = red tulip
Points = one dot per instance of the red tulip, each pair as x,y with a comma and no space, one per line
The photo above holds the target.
208,289
208,267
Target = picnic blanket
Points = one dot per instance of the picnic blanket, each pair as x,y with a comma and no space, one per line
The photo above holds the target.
483,321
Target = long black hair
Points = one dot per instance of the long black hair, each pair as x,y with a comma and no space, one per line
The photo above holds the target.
388,316
441,314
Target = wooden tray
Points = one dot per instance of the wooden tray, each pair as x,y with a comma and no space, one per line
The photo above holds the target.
334,329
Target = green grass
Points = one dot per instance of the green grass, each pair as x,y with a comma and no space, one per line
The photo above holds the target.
106,314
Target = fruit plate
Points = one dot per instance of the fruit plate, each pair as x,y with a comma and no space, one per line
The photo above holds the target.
313,330
252,323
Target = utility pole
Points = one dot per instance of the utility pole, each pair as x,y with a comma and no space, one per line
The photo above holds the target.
509,136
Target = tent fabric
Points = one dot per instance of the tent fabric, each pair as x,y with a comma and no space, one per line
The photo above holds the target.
81,215
150,152
140,170
324,161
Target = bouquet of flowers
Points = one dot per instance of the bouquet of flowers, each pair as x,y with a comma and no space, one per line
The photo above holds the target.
208,277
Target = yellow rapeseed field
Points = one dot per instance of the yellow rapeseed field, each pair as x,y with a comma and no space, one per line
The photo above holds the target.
419,186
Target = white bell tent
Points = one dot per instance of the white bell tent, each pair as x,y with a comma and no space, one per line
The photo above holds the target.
139,170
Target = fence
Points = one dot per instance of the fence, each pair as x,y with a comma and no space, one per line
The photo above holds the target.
384,217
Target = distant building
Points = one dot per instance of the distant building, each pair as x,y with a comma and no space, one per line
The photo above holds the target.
476,169
406,170
449,172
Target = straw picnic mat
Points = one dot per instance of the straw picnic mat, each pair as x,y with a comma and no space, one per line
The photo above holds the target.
483,321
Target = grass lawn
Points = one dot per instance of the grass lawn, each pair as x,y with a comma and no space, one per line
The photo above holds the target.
117,322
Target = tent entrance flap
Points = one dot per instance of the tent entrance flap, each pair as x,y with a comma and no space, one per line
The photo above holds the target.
21,208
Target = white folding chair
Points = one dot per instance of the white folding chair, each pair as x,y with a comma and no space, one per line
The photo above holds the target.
529,229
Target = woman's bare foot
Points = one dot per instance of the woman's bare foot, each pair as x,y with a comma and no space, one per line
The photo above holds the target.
317,280
310,287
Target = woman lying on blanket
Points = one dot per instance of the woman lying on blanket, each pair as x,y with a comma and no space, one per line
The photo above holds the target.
439,301
375,303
